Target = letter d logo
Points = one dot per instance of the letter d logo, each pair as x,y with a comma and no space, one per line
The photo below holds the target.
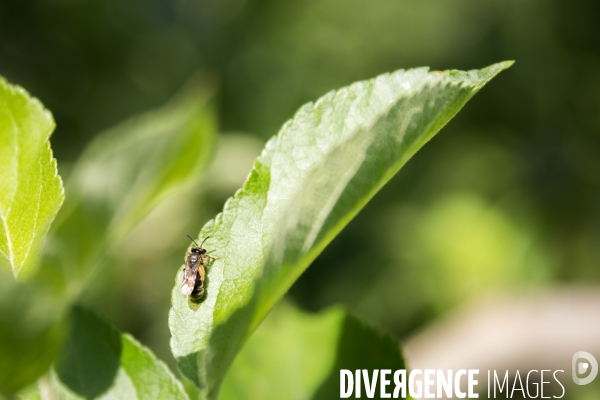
581,367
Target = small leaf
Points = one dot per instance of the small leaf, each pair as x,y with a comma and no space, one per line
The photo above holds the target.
295,355
32,191
311,180
99,361
122,175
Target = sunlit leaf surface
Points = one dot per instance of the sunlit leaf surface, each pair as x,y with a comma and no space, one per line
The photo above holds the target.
312,178
31,191
296,355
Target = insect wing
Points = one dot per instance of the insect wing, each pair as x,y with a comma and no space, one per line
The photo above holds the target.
189,281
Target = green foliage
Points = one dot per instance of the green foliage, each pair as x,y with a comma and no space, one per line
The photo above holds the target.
121,176
98,360
295,355
505,198
31,194
32,191
312,178
30,332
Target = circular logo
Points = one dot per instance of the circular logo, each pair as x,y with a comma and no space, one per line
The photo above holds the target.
584,363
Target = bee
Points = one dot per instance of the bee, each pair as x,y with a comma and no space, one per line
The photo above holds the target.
196,259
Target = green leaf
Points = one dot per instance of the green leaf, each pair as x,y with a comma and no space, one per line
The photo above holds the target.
122,175
295,355
30,332
97,361
312,178
31,191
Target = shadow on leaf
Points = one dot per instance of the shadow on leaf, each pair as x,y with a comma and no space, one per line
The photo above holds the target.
91,354
360,347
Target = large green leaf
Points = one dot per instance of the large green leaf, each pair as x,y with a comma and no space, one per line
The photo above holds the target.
121,176
98,361
295,355
312,178
31,191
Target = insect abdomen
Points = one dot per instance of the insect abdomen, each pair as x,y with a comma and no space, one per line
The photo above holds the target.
198,291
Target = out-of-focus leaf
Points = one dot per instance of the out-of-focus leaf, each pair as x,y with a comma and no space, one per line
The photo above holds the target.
31,191
30,332
98,361
312,178
123,174
31,392
295,355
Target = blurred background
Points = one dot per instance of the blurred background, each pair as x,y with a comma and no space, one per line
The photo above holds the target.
505,199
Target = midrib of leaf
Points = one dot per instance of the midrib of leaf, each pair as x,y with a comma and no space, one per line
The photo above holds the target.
6,246
352,140
313,248
319,246
10,190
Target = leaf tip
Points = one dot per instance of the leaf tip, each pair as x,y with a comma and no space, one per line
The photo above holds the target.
491,71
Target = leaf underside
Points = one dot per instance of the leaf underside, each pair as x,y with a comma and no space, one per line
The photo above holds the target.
310,181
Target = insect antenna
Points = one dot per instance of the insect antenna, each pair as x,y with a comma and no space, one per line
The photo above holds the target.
194,240
205,239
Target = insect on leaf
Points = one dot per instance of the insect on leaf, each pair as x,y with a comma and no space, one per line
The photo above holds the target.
122,175
310,181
